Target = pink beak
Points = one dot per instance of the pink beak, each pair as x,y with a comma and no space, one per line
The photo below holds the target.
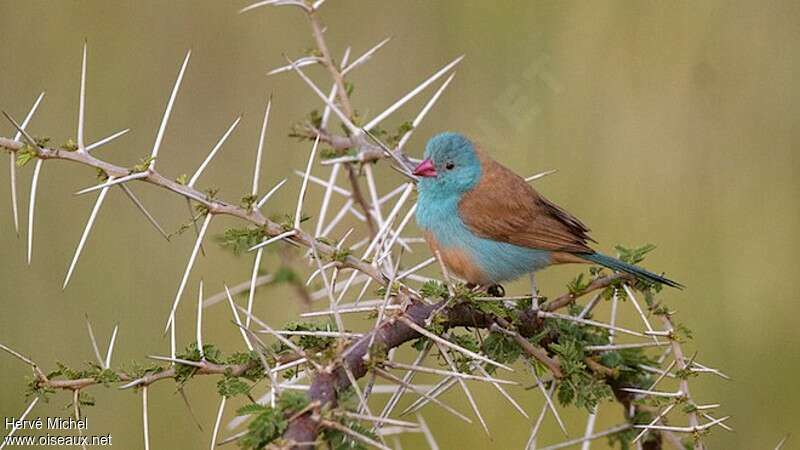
425,169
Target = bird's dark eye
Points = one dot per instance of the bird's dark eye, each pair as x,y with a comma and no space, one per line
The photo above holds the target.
449,166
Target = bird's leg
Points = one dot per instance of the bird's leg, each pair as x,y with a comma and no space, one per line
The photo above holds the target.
534,293
493,290
496,290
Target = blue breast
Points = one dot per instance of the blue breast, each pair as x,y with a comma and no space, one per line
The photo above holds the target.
500,261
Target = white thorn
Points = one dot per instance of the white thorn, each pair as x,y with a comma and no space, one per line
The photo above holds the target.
388,111
213,153
13,164
144,210
299,210
82,104
366,56
345,120
21,418
145,421
272,239
326,199
199,326
163,127
32,205
110,350
251,295
587,443
455,347
217,422
110,182
424,111
260,150
86,230
94,341
269,194
106,140
236,319
185,278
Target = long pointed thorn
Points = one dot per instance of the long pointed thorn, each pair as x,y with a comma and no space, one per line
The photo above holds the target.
94,341
323,210
354,434
217,422
272,239
213,153
144,210
260,149
258,5
145,420
110,350
106,140
366,56
301,62
590,421
236,319
165,119
439,389
22,132
653,422
531,445
301,196
199,326
13,164
238,289
503,392
463,376
608,432
82,103
270,193
422,393
407,378
342,116
593,323
402,101
85,235
37,169
455,347
424,111
550,404
336,188
21,419
252,293
409,187
326,113
189,265
28,118
443,351
14,202
113,182
18,355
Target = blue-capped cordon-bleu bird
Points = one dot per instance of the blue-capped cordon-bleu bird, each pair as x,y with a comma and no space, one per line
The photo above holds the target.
489,225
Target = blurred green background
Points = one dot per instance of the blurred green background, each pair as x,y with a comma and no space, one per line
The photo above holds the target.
674,123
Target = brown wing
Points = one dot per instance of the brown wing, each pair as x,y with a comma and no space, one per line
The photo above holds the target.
505,208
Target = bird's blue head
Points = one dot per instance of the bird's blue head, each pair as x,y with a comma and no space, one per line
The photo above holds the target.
451,166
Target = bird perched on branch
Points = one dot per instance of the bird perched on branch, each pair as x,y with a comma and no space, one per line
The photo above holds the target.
490,226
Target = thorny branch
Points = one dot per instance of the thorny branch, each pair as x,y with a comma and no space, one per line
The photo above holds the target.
406,314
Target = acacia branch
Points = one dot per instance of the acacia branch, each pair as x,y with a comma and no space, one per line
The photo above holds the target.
393,332
212,205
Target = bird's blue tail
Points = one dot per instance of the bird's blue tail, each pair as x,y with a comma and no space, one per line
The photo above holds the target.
621,266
